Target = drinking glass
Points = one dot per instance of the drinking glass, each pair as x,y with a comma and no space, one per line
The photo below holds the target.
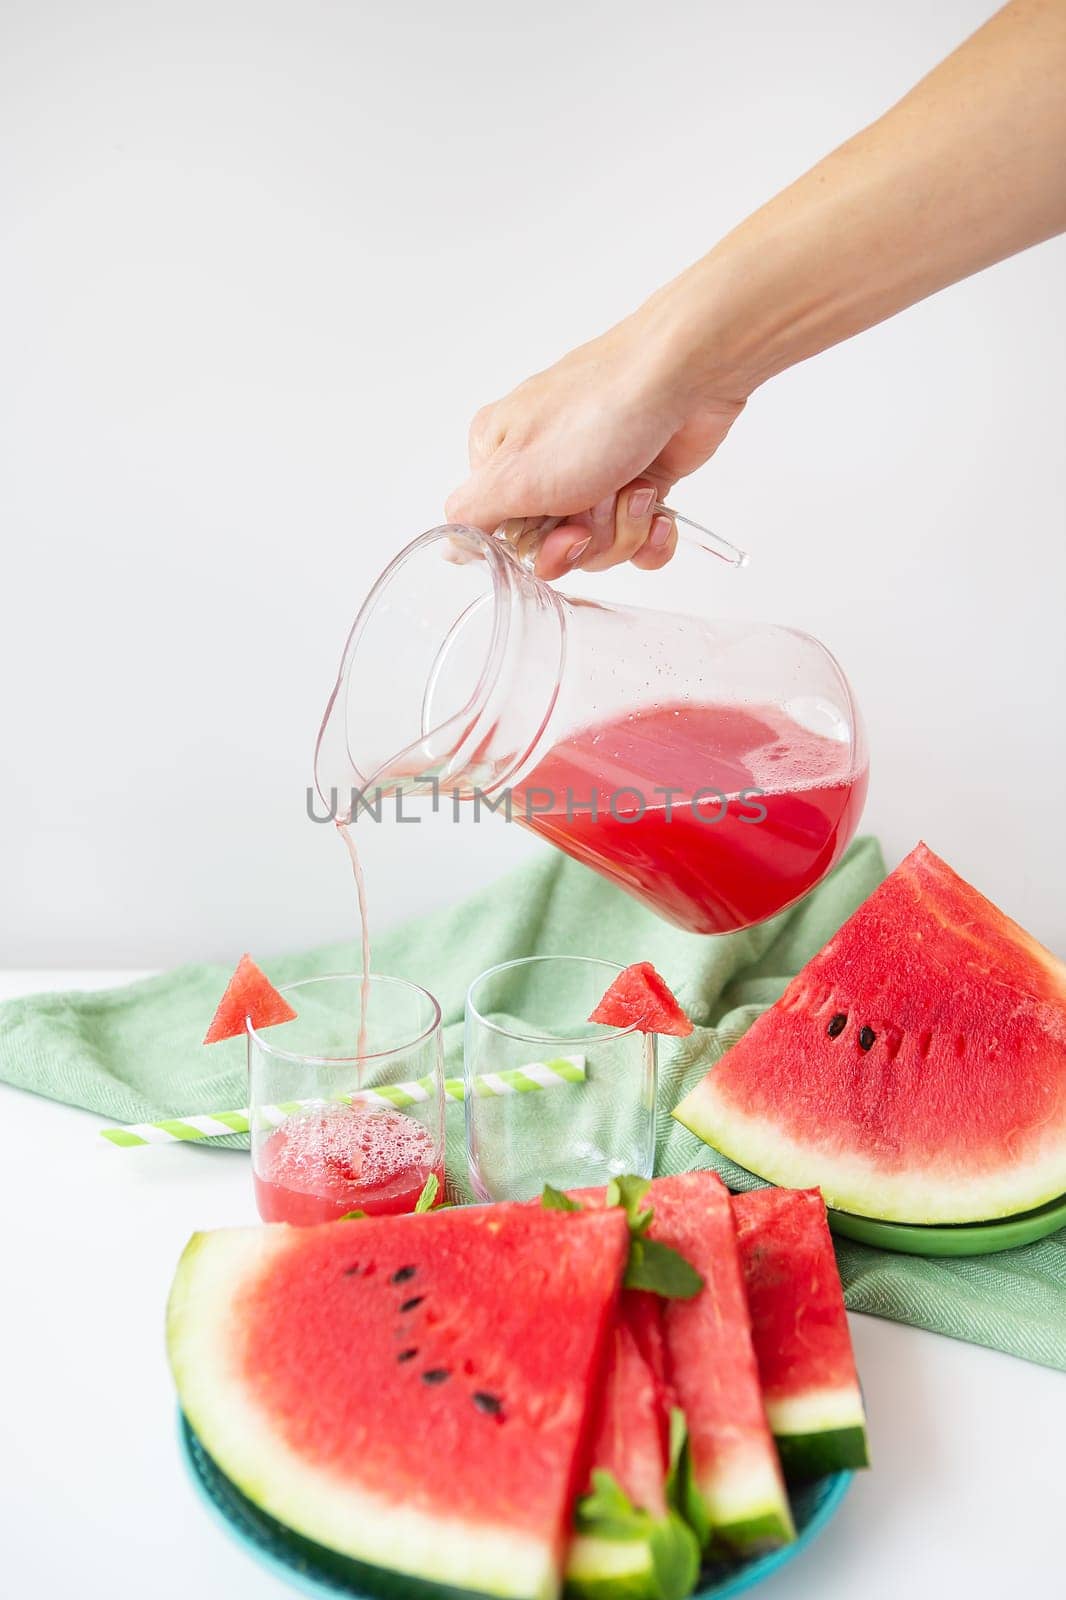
347,1100
580,1109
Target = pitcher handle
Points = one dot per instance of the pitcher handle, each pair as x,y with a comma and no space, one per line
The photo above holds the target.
525,536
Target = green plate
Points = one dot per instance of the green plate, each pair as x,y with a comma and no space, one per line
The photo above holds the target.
323,1576
955,1239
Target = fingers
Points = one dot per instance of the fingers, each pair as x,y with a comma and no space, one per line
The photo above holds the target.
661,544
576,540
622,528
634,511
563,549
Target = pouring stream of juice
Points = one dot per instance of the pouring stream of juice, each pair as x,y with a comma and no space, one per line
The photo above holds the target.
364,930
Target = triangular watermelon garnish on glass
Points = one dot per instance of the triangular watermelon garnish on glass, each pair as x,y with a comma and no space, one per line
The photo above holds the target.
638,997
250,996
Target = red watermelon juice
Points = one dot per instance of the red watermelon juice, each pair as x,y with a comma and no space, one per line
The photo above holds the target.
320,1164
716,816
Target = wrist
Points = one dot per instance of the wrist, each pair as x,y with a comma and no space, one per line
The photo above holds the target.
716,330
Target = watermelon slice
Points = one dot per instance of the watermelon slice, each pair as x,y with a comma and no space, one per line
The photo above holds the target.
736,1492
638,996
735,1474
410,1392
915,1069
630,1544
250,997
800,1331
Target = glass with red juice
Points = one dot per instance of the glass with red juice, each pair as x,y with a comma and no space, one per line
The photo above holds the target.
334,1130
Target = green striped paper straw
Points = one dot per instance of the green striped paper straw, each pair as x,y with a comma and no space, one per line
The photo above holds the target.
512,1080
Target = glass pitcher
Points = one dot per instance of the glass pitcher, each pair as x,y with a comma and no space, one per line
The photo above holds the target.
715,770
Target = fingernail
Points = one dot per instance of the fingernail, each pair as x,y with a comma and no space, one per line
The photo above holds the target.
576,551
660,532
640,503
603,511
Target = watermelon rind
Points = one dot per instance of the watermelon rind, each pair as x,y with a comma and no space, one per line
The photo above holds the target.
599,1568
739,1509
356,1576
744,1508
815,1455
442,1555
663,1565
850,1183
914,1070
819,1433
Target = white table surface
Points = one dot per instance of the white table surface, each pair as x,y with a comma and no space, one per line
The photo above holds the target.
966,1495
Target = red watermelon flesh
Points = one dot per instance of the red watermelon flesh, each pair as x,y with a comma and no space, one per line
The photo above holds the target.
914,1070
411,1392
250,996
630,1439
644,1315
639,997
800,1331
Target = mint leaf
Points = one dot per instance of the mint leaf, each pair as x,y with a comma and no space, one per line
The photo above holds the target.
351,1216
555,1200
429,1193
678,1453
682,1496
627,1192
657,1268
652,1266
608,1512
675,1557
607,1498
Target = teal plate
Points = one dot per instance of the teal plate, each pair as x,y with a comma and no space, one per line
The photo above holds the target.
954,1239
313,1571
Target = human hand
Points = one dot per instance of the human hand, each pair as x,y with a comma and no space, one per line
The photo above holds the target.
596,440
966,170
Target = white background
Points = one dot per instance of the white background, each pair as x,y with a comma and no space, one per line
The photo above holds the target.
258,264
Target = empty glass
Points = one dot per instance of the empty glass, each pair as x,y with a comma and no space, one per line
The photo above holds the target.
347,1109
580,1108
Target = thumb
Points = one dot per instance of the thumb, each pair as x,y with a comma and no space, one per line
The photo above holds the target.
494,491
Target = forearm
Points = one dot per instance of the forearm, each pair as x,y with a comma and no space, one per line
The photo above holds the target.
969,168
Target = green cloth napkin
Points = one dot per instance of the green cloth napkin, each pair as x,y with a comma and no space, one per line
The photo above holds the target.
134,1055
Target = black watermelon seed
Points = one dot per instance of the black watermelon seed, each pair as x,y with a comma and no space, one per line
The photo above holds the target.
436,1375
491,1404
416,1300
348,1271
837,1024
407,1355
402,1275
866,1038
